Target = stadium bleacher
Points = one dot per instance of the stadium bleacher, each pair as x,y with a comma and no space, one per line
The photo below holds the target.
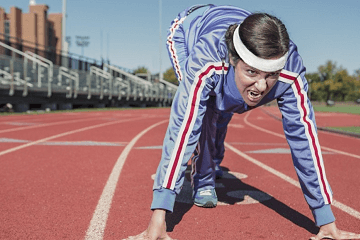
30,81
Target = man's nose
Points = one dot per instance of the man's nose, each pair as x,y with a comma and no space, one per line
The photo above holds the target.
261,85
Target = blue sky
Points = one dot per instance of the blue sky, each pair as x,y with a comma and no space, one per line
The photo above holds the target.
130,29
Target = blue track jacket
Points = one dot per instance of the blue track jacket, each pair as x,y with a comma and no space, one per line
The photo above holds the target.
200,59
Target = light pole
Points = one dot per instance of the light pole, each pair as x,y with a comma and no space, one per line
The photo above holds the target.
160,45
82,41
64,43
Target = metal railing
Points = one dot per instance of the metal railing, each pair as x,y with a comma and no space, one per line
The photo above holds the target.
72,78
169,90
56,56
102,79
36,65
27,70
136,87
38,69
6,78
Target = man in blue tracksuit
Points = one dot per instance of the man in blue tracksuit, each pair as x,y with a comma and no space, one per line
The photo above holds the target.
231,61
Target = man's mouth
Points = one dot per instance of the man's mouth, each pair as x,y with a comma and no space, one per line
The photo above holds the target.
254,95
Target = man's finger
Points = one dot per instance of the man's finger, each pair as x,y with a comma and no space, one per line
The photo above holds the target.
349,235
320,236
342,235
141,236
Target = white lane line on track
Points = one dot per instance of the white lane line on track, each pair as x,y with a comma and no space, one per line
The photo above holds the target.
46,125
341,152
98,222
274,115
338,134
39,118
263,166
64,134
282,136
288,179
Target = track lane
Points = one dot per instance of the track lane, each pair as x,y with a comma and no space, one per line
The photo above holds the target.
190,222
324,119
285,216
337,143
42,124
130,209
62,204
336,165
28,136
341,156
51,193
25,120
53,135
100,216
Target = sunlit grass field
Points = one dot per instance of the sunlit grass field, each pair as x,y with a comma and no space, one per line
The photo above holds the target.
341,108
347,129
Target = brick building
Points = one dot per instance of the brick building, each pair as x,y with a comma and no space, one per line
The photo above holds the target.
36,31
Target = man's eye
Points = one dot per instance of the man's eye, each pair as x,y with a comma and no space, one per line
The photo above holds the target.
275,74
252,72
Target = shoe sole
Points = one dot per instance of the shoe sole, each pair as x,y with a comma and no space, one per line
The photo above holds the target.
208,204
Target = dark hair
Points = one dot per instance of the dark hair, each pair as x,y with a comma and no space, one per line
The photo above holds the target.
262,34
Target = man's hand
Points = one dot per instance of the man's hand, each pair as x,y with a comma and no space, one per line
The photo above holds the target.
330,231
156,229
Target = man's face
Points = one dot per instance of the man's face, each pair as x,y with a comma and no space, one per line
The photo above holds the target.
252,83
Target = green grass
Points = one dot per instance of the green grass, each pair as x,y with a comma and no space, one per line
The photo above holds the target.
347,129
341,108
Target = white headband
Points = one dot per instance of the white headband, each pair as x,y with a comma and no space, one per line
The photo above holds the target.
266,65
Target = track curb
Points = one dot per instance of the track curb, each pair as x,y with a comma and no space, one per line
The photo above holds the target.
356,135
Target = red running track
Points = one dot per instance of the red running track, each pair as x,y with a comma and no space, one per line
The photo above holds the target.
88,176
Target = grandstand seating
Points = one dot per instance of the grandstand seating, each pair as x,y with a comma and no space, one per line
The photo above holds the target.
28,79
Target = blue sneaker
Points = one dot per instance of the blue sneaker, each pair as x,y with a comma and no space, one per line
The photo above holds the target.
218,172
206,198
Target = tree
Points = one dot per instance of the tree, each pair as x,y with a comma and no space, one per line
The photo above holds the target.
141,69
331,82
354,92
169,75
346,83
357,73
315,92
327,75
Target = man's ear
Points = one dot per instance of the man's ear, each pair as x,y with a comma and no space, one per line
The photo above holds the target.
231,60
